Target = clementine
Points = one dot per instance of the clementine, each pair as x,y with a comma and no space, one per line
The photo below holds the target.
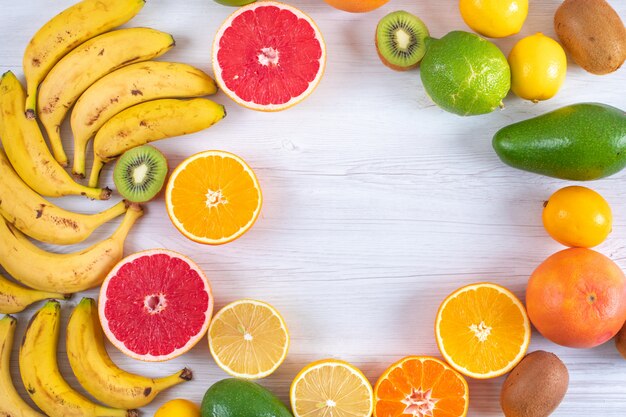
577,298
356,6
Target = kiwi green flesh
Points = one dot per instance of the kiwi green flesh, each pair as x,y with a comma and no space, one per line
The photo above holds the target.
401,39
140,173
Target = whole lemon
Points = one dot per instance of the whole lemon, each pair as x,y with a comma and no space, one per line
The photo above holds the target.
494,18
577,216
538,67
178,408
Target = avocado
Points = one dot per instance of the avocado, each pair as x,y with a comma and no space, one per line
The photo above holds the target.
239,398
580,142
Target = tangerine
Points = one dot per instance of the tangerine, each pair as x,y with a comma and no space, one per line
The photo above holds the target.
577,298
356,6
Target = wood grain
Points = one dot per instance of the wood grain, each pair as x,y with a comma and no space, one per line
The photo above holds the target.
377,203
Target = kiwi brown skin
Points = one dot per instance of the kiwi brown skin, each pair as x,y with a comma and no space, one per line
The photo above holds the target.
593,33
620,341
535,387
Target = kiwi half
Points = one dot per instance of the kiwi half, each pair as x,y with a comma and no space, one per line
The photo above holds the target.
140,173
400,40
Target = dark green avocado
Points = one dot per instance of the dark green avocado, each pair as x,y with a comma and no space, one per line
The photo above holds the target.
580,142
240,398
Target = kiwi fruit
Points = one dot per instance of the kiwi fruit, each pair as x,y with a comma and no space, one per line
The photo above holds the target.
401,40
593,33
535,387
140,173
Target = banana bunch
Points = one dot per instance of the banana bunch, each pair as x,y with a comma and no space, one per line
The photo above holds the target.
63,273
40,372
11,404
130,85
149,122
66,31
98,374
92,60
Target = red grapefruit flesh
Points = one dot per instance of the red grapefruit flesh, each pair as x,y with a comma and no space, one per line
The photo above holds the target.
268,56
155,305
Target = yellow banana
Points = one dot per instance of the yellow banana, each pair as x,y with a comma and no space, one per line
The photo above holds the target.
15,298
64,273
149,122
39,218
66,31
26,149
98,374
126,87
40,371
11,404
90,61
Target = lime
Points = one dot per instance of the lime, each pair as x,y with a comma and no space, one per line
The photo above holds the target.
465,74
234,2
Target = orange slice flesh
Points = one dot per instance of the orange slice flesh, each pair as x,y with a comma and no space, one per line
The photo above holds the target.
248,339
482,330
421,386
331,388
213,197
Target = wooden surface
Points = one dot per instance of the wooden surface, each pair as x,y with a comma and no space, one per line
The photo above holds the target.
377,203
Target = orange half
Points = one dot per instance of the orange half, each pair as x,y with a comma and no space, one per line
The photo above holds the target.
213,197
421,386
482,330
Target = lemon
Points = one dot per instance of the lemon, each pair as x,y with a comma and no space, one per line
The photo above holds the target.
538,67
494,18
178,408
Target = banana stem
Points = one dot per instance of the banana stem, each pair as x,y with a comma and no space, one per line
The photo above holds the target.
96,168
95,193
80,148
134,212
161,384
56,144
110,213
31,101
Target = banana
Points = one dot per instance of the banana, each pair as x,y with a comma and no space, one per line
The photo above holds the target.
98,374
11,404
38,218
149,122
65,32
92,60
15,298
126,87
63,273
27,150
40,371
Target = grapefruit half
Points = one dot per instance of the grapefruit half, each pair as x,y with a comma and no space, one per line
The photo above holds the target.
268,56
155,305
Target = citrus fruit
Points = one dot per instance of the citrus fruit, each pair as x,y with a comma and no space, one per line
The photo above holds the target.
235,397
268,56
155,305
356,6
178,408
538,67
236,3
331,387
421,386
465,74
494,18
577,216
577,298
482,330
213,197
248,339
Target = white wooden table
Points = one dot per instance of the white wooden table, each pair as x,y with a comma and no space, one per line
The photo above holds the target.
377,203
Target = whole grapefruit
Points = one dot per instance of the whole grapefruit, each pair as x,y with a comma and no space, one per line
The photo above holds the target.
577,298
356,6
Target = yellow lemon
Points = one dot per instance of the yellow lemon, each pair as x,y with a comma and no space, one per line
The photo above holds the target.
494,18
178,408
538,66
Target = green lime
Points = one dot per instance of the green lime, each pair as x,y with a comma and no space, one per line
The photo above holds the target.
234,2
465,74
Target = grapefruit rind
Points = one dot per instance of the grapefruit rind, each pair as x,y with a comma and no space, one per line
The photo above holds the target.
422,359
118,343
217,70
498,372
325,363
181,227
225,367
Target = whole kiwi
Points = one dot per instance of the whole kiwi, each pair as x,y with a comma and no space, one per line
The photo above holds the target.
593,33
535,387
